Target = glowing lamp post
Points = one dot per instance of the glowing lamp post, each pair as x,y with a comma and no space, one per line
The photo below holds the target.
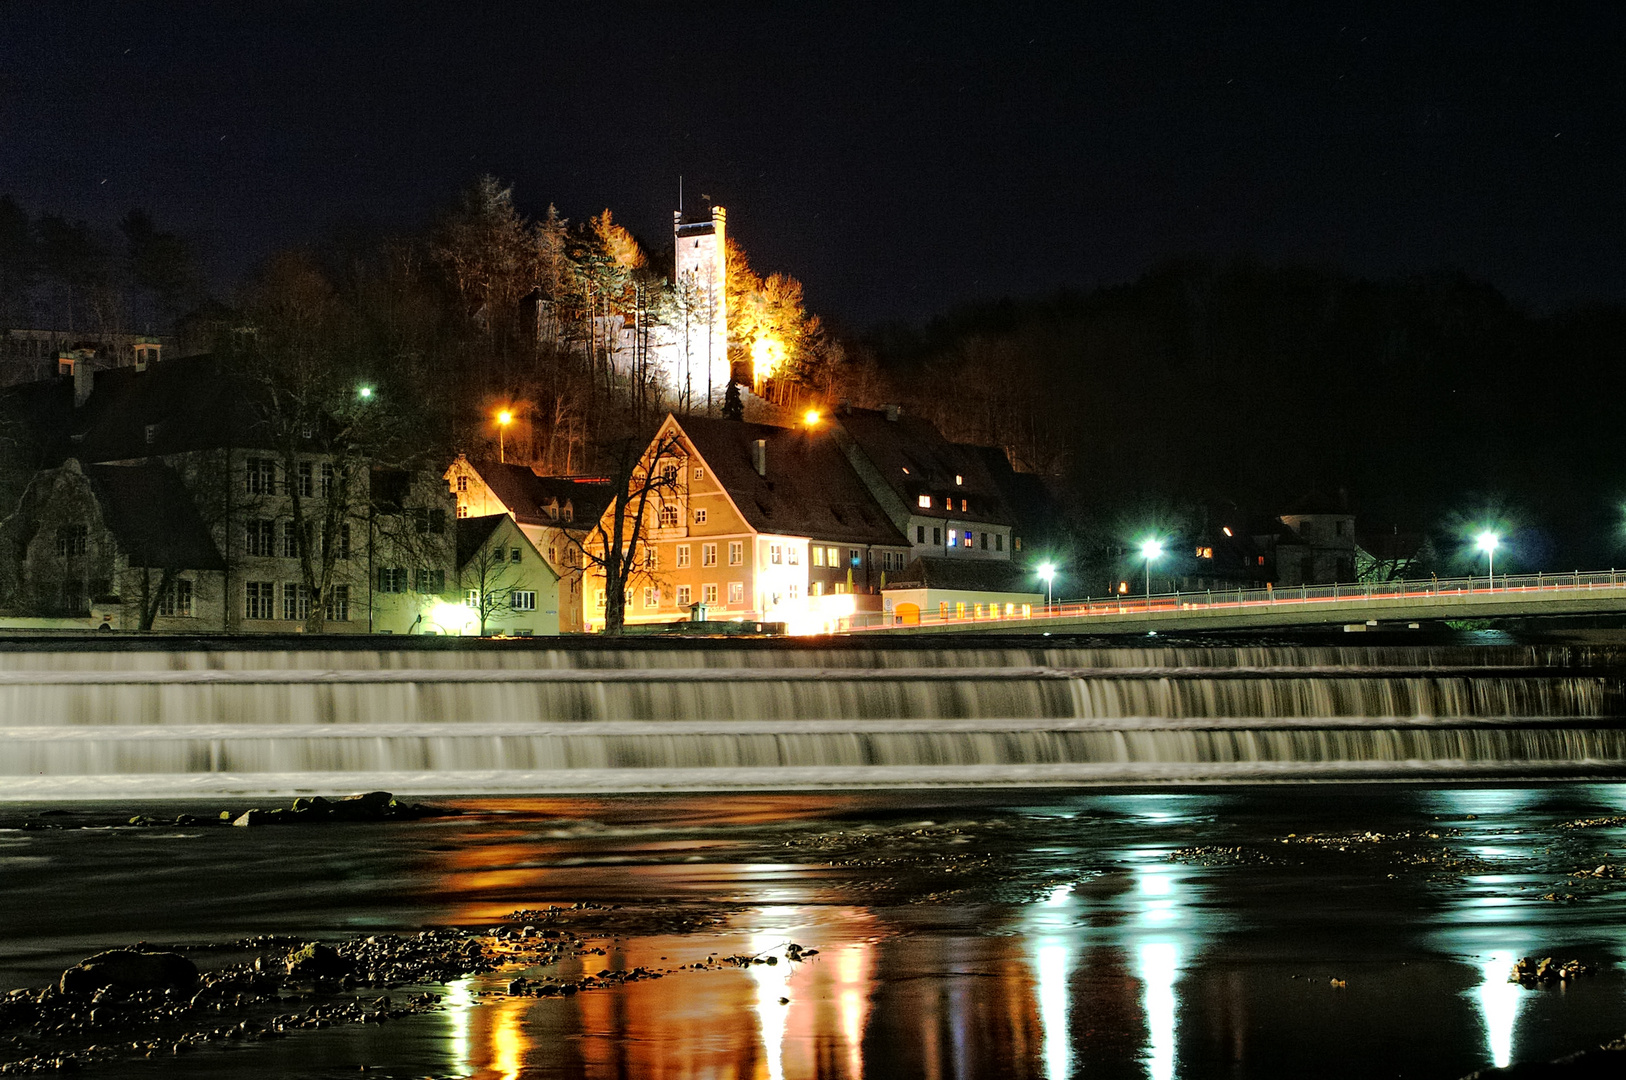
1488,542
364,393
1047,572
811,417
1149,551
504,418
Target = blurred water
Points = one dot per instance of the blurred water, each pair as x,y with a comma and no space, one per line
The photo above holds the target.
962,934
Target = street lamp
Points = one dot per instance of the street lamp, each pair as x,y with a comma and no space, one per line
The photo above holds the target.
1047,572
365,393
811,417
1487,542
504,418
1150,550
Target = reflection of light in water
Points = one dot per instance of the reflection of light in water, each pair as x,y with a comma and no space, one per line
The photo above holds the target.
1058,896
1499,1002
508,1039
773,982
1157,886
1052,963
851,999
459,1003
1159,963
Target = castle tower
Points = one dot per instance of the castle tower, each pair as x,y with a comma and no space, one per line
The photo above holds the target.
701,278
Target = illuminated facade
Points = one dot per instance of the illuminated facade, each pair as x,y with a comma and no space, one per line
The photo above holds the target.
763,523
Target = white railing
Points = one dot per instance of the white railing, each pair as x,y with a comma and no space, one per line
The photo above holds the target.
1467,589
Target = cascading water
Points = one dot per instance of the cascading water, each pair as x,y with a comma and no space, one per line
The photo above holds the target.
447,717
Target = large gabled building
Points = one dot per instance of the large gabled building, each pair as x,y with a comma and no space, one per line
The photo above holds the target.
761,524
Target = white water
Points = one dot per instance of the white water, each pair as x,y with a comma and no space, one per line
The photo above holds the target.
241,720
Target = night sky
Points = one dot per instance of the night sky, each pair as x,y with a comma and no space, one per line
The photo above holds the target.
898,159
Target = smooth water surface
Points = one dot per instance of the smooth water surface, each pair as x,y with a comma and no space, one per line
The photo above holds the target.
980,934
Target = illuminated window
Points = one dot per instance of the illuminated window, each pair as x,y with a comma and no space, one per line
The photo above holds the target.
833,556
793,555
1205,553
815,588
669,517
818,556
954,538
855,556
964,505
1226,529
776,554
926,501
736,592
1261,560
670,474
523,600
650,596
958,480
462,483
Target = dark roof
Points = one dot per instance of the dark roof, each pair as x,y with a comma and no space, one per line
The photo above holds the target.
194,403
971,575
527,495
1318,503
810,488
472,534
153,517
914,444
1029,499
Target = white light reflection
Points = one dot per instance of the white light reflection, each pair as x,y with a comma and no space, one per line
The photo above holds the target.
1159,963
459,1004
773,983
1052,963
1499,1002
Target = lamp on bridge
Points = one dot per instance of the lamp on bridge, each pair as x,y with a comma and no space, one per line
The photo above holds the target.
1047,572
1488,542
1150,550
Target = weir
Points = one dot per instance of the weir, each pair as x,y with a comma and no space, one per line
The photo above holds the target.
174,718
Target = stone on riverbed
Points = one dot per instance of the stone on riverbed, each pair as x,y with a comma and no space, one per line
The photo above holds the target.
128,969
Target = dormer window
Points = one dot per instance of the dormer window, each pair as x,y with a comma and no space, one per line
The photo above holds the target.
152,434
925,501
959,481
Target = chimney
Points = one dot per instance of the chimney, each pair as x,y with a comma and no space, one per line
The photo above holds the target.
892,412
759,456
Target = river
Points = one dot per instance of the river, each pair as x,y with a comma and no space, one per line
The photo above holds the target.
1334,930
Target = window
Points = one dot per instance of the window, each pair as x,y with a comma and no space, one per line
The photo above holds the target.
523,599
338,603
462,483
259,537
736,552
920,534
999,541
793,555
290,541
650,596
682,556
937,536
954,538
818,556
855,556
428,582
683,594
736,592
327,491
700,516
1016,544
257,600
498,555
833,556
306,485
462,510
959,480
513,554
652,558
669,474
708,594
392,579
965,505
984,538
925,501
260,476
344,541
429,521
72,539
296,602
598,599
553,511
776,554
699,473
708,554
669,516
815,588
152,434
794,591
177,599
1205,553
471,598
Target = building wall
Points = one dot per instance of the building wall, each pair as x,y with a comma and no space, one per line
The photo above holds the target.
421,544
909,605
521,569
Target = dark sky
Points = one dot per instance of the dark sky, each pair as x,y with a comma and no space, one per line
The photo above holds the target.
897,158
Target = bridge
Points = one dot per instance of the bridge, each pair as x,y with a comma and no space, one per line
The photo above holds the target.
1352,606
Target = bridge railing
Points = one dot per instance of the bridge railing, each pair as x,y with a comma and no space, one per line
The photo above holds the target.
1183,602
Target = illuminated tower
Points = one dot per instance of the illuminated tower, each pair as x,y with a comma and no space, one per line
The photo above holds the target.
701,279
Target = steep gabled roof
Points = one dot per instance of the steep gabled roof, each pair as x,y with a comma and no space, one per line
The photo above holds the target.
194,403
913,459
809,488
153,517
473,533
527,495
970,575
